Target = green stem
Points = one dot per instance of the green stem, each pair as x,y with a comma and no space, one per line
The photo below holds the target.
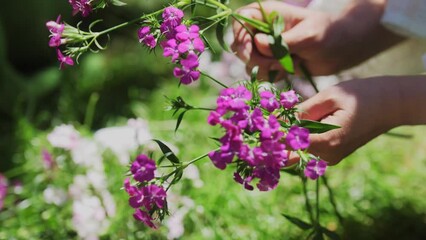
185,165
307,204
213,79
221,15
90,110
217,3
332,200
317,203
125,24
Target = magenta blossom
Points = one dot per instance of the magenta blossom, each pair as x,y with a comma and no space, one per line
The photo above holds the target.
172,17
289,99
268,101
145,36
145,218
83,6
143,168
245,182
170,49
56,29
298,138
269,177
154,196
64,59
315,168
233,99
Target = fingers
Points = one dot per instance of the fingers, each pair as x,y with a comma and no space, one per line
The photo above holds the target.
317,107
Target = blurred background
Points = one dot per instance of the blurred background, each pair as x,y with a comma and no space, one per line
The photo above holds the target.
379,189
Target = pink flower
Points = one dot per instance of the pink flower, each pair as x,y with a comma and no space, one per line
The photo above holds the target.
64,59
83,6
289,99
146,37
298,138
3,190
315,168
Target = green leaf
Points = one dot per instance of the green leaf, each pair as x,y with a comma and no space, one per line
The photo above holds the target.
193,5
220,29
272,74
253,75
318,235
271,17
278,47
287,63
118,3
332,235
278,26
167,152
208,44
179,120
178,176
259,25
317,127
300,223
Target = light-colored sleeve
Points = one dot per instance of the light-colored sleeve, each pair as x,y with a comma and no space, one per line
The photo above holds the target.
406,17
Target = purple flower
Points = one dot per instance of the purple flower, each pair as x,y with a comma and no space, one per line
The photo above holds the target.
145,218
315,168
289,99
64,59
190,62
186,76
184,33
131,190
145,36
268,128
220,159
270,153
247,154
172,17
189,38
298,138
3,190
245,182
233,99
83,6
153,195
170,49
269,177
143,168
214,118
268,101
56,29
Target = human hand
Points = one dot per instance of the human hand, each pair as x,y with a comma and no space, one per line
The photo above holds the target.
324,43
363,109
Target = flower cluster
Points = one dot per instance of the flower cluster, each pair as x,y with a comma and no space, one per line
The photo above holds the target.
258,140
182,43
145,197
56,29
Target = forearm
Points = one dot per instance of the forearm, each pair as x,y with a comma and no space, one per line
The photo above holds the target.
412,98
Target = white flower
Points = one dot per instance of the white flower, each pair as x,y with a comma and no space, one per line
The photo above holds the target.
64,136
123,140
87,154
53,195
89,217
